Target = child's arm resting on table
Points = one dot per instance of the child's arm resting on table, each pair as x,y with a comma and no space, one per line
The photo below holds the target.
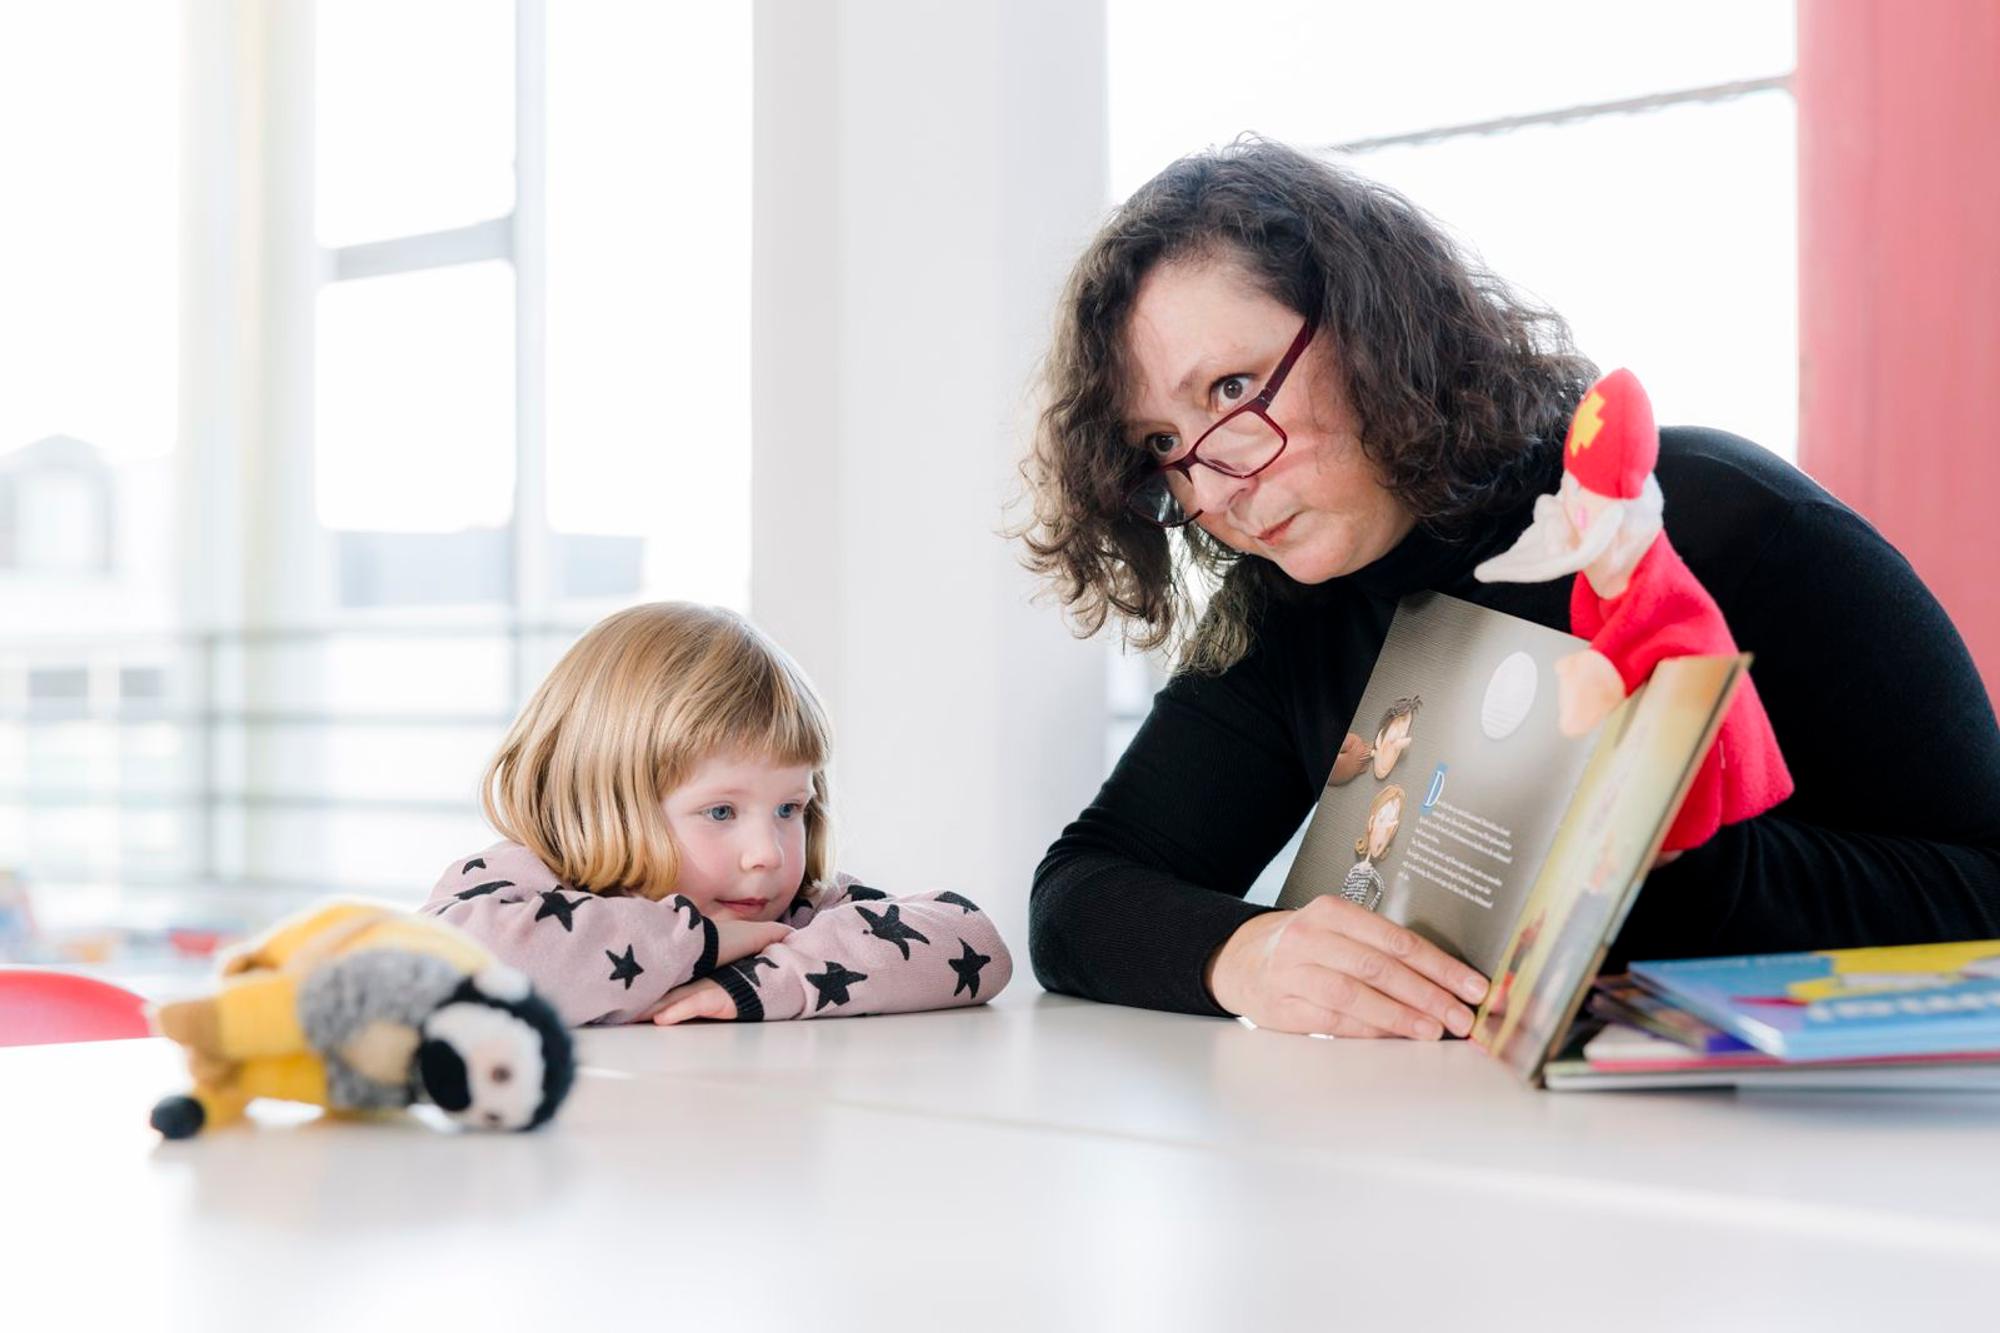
861,952
596,958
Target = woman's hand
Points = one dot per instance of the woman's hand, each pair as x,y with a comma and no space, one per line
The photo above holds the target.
697,999
1334,968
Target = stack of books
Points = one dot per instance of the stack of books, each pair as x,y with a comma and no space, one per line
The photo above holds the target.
1916,1017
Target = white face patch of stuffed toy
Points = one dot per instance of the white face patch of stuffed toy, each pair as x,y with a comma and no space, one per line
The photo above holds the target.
483,1066
484,1058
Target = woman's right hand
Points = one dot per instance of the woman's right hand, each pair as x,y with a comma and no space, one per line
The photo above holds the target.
1335,968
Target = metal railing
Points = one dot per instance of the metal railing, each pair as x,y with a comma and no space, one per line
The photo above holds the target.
212,709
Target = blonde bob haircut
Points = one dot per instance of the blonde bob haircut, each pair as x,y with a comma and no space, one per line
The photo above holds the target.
627,715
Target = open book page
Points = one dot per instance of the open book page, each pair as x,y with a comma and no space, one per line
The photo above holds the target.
1444,825
1646,756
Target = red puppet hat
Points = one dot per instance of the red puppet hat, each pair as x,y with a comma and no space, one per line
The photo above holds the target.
1613,443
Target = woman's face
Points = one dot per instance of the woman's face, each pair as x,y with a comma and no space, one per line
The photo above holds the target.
1202,339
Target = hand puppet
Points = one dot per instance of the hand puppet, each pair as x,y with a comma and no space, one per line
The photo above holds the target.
1638,603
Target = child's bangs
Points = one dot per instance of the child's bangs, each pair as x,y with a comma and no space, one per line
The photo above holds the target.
762,708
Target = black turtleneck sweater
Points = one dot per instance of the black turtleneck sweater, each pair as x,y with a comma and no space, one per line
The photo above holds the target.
1892,836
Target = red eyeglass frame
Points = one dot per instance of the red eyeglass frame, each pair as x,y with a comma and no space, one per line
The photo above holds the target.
1260,405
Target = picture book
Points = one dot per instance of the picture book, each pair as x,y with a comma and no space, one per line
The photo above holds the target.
1624,1001
1624,1058
1457,808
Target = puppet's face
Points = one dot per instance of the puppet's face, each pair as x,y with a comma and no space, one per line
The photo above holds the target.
1571,530
482,1066
1583,509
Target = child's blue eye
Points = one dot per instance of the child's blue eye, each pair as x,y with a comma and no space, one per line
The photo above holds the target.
719,813
789,809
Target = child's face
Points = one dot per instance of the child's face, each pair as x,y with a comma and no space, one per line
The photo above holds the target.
740,826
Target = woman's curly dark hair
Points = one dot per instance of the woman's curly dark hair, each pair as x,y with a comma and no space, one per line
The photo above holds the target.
1453,380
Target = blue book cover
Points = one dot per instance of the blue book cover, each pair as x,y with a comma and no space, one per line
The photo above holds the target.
1918,999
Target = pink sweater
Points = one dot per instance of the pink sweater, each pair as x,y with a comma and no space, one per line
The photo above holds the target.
604,959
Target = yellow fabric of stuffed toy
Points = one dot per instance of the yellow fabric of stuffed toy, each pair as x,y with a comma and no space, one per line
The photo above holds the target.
330,1008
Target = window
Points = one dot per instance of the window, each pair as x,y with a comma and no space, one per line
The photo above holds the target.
1632,167
496,259
89,345
648,255
531,353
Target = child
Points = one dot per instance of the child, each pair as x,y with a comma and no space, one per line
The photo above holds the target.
664,803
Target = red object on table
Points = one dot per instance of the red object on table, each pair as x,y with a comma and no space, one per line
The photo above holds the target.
38,1008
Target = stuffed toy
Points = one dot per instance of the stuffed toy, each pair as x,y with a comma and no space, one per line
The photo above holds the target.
1637,603
358,1007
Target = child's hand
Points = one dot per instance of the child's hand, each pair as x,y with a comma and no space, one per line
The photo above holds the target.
705,999
697,999
740,939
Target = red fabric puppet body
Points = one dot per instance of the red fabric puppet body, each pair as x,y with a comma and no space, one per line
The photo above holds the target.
1665,612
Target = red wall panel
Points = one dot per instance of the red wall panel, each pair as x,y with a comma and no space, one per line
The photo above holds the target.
1899,284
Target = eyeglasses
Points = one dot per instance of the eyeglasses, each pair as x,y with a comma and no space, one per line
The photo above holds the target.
1241,444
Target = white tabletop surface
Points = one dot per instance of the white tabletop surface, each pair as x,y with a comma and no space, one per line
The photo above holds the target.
1040,1163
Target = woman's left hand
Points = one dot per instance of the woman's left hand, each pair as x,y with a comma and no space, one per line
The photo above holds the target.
697,999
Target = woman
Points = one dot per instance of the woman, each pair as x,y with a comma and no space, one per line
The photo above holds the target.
1387,415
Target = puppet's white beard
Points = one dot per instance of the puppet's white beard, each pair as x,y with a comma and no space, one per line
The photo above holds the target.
1551,547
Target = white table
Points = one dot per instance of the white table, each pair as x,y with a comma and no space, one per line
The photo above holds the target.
1042,1163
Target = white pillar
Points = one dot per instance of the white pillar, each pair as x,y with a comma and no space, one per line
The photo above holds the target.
245,458
924,175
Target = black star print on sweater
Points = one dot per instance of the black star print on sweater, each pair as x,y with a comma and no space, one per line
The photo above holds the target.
747,968
967,966
861,893
480,890
623,969
962,904
476,863
559,907
694,913
890,926
832,984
